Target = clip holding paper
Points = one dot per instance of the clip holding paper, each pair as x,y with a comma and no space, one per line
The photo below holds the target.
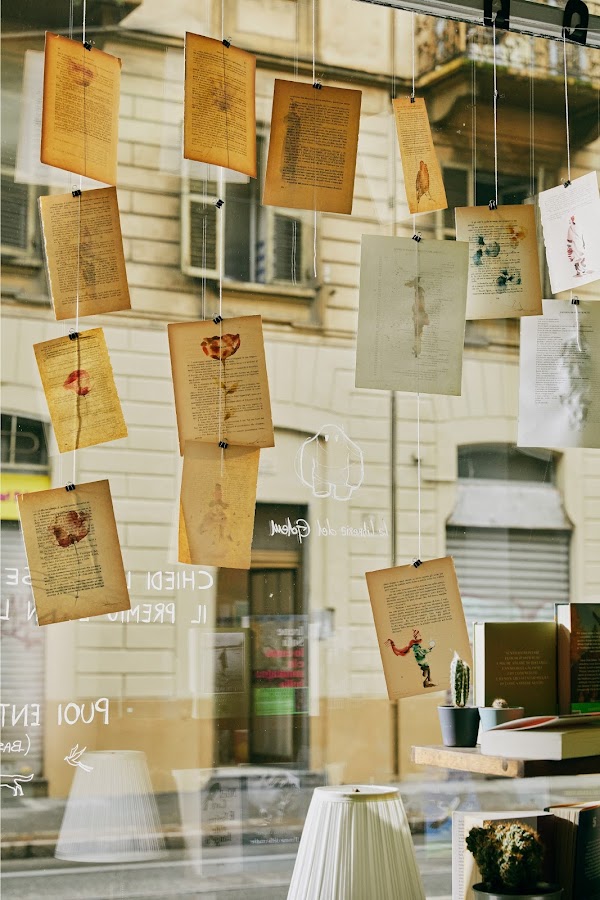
317,85
575,301
88,45
502,15
226,43
217,319
418,237
76,192
578,34
566,183
73,335
412,97
492,205
219,203
417,563
69,487
223,445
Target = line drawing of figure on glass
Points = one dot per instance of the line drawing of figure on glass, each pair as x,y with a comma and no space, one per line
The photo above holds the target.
330,464
576,247
422,182
574,373
419,313
74,758
17,781
419,652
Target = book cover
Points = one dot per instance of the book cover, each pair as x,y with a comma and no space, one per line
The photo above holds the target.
516,661
578,657
577,849
545,737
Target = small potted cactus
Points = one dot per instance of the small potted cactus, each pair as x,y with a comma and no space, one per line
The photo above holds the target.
460,723
498,713
509,856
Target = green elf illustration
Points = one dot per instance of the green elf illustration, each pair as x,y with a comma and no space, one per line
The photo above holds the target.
419,652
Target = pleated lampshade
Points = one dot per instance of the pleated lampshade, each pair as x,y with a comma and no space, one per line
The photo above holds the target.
111,814
356,845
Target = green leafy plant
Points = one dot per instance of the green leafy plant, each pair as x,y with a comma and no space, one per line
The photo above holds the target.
509,856
499,703
460,681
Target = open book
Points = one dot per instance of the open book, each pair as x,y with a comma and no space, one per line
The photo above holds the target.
545,737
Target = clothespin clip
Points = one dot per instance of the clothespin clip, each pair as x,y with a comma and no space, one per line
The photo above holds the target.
223,445
69,487
317,85
73,335
219,203
418,237
566,183
575,301
412,97
492,205
417,563
226,43
88,44
501,16
76,192
217,319
578,34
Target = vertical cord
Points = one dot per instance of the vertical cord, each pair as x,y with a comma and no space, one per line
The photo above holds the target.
314,78
78,276
221,386
294,249
532,115
495,112
474,119
416,307
412,25
567,107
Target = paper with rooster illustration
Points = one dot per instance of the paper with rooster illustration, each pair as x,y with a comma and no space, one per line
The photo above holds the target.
220,382
422,173
420,623
80,389
411,315
218,500
219,119
73,552
504,267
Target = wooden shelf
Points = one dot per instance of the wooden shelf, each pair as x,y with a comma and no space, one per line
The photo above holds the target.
470,759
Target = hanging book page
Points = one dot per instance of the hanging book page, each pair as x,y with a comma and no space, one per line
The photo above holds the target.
84,253
422,173
220,382
82,398
571,223
219,117
73,552
559,377
504,269
80,116
313,146
420,624
218,499
411,315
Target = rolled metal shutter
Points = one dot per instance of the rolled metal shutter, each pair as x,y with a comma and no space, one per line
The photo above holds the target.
510,574
23,653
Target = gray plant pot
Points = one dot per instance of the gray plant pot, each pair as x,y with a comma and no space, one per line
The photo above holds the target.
490,717
542,892
460,725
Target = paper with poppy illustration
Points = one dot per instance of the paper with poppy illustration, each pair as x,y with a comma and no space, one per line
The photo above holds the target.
84,253
218,499
411,315
422,173
73,552
80,113
219,117
80,390
420,624
220,381
504,268
312,148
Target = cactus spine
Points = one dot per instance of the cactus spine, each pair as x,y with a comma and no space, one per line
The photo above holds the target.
460,680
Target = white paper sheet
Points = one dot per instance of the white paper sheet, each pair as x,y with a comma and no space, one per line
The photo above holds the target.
411,317
559,383
571,223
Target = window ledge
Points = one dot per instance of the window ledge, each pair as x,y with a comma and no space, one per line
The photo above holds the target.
285,291
21,262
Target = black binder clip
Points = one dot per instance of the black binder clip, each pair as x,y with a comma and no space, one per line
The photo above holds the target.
226,43
317,85
578,34
492,205
417,563
418,237
223,445
575,301
502,14
217,319
412,98
88,45
76,192
73,335
69,487
566,183
219,203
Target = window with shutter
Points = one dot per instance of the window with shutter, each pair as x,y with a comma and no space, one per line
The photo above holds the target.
19,220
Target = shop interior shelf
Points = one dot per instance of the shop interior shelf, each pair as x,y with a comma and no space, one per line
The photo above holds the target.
470,759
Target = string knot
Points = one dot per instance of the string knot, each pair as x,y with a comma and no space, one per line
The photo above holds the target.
492,205
418,237
223,445
217,319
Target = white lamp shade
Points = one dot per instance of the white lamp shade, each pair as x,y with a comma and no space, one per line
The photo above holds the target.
111,814
356,845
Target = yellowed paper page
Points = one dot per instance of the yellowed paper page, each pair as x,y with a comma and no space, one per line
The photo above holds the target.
73,552
504,269
84,253
219,117
218,498
420,623
313,146
80,115
80,390
220,382
422,173
411,315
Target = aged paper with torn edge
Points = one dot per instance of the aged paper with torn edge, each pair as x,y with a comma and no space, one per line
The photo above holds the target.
82,398
559,377
183,546
422,173
80,115
219,115
411,315
420,623
84,253
73,552
218,498
504,268
571,224
313,147
220,382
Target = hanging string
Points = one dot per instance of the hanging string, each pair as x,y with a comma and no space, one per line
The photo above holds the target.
567,108
417,314
314,79
532,115
412,24
474,118
495,112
